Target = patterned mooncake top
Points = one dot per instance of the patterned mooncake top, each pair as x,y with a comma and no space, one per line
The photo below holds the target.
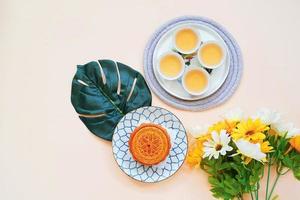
149,144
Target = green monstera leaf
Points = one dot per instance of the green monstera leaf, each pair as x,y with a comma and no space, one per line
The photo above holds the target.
104,91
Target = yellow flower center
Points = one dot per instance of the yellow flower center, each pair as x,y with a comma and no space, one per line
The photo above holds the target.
218,147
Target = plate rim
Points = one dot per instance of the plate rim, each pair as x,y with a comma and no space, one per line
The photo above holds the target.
179,167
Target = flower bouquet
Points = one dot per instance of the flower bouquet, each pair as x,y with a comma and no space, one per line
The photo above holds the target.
236,150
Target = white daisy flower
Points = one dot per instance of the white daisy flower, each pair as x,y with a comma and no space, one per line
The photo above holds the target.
198,131
267,116
218,145
282,128
250,150
236,114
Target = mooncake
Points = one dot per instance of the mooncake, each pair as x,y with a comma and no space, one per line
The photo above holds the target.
149,144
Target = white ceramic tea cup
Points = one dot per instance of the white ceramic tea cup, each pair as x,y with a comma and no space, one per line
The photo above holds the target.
214,66
206,75
190,51
180,59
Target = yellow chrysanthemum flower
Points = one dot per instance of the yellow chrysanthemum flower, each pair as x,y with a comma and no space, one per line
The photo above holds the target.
265,147
196,152
194,156
228,125
295,142
251,130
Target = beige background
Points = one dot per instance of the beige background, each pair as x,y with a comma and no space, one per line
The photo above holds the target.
45,150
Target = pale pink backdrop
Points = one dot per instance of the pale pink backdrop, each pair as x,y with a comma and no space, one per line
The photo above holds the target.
47,153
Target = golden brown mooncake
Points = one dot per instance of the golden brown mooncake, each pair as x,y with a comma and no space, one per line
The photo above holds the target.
149,144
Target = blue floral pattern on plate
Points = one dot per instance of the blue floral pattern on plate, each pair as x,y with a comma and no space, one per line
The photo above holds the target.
133,168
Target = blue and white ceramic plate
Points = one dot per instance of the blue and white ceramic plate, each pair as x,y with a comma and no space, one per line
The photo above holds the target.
164,169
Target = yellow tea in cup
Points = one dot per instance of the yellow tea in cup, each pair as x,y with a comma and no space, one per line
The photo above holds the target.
171,66
195,81
211,55
186,40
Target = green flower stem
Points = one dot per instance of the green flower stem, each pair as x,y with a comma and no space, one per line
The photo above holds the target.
240,197
251,195
273,187
256,192
268,178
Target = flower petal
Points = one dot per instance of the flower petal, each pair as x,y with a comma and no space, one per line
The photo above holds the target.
216,155
250,150
223,151
209,144
267,116
234,114
198,131
215,137
224,137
